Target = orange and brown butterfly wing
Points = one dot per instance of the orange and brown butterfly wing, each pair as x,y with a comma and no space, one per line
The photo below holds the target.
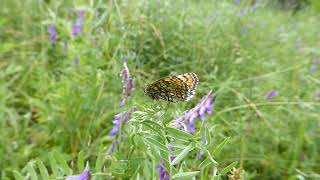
191,80
173,88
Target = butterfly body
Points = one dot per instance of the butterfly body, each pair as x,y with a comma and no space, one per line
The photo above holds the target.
173,88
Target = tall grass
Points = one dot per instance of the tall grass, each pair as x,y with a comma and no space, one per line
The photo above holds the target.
56,114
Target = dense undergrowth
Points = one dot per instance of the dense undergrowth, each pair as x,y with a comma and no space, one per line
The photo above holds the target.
60,89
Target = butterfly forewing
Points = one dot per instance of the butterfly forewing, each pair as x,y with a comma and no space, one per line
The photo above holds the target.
174,88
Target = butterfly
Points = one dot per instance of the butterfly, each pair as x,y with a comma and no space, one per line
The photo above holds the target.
173,88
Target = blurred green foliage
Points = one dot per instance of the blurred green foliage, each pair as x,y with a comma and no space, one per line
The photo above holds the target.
56,115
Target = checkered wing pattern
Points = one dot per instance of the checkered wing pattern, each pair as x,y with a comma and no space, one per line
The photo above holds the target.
174,88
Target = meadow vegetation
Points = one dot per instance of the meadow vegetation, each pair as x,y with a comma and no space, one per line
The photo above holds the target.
60,89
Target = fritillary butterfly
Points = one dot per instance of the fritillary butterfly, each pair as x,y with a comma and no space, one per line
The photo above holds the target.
173,88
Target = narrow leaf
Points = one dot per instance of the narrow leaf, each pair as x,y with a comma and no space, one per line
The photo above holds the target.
228,168
62,161
182,155
100,160
208,135
218,149
43,170
32,171
53,165
153,123
205,163
17,175
185,174
80,161
179,134
156,143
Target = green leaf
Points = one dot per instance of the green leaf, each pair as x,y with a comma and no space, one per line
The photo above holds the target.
175,133
185,174
205,163
80,161
156,144
177,145
32,171
53,165
101,20
100,160
43,170
182,155
218,149
17,175
134,165
118,168
62,161
208,135
216,177
152,123
228,168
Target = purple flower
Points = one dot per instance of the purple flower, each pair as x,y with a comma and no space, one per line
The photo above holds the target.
85,175
204,139
272,94
53,33
76,61
254,8
128,85
238,2
187,120
77,28
201,153
164,175
171,150
117,121
314,66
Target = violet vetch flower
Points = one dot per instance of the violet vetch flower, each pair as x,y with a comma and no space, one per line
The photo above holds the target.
171,150
272,94
85,175
204,141
128,85
186,121
76,61
77,28
254,8
314,66
53,33
164,175
200,154
117,121
237,2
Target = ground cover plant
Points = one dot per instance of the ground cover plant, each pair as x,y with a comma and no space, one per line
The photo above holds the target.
73,104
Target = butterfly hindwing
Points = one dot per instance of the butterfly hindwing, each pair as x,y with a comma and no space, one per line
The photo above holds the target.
173,88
